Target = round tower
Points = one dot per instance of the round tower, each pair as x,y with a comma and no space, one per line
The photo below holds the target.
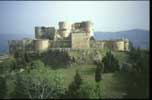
41,44
64,29
88,27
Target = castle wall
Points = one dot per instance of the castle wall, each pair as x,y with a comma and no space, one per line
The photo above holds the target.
127,45
118,45
28,44
20,45
51,43
80,40
41,45
62,44
74,36
85,26
44,32
99,44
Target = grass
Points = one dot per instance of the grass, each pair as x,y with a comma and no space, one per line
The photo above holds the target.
86,71
112,84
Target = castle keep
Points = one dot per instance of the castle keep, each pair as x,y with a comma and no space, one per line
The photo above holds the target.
74,36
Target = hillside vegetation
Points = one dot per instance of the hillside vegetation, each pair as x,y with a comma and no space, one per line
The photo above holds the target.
72,74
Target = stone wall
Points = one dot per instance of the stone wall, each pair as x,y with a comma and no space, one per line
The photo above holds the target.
62,44
80,40
45,32
20,45
41,45
117,45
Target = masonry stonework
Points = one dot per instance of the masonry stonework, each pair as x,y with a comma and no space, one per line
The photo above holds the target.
76,36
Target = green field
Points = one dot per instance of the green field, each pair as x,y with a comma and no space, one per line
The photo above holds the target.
111,83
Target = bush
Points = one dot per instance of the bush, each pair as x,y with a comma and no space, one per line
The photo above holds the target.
98,72
138,76
8,65
74,86
111,64
57,58
37,64
126,67
40,83
3,89
88,90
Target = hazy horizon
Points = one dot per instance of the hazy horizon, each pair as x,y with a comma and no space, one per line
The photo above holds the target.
108,16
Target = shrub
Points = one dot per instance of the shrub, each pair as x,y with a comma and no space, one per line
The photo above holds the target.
74,86
3,89
88,90
8,65
98,72
111,64
40,83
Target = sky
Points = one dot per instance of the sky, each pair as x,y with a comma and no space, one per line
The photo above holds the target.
21,16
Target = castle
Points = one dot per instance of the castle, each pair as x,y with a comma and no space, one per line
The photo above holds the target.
71,36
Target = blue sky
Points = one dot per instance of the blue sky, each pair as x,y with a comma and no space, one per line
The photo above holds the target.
21,16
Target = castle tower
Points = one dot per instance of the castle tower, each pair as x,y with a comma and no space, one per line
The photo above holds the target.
44,32
88,27
38,33
41,44
64,29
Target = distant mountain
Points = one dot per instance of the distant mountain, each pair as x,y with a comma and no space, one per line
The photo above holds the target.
5,37
139,38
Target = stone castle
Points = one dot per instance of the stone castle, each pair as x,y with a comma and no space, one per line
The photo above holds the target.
68,36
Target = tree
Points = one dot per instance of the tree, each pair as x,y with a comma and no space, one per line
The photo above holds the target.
133,55
92,41
16,54
75,86
8,65
37,64
111,64
98,72
27,57
2,87
88,90
78,79
138,85
20,59
19,90
41,83
131,47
